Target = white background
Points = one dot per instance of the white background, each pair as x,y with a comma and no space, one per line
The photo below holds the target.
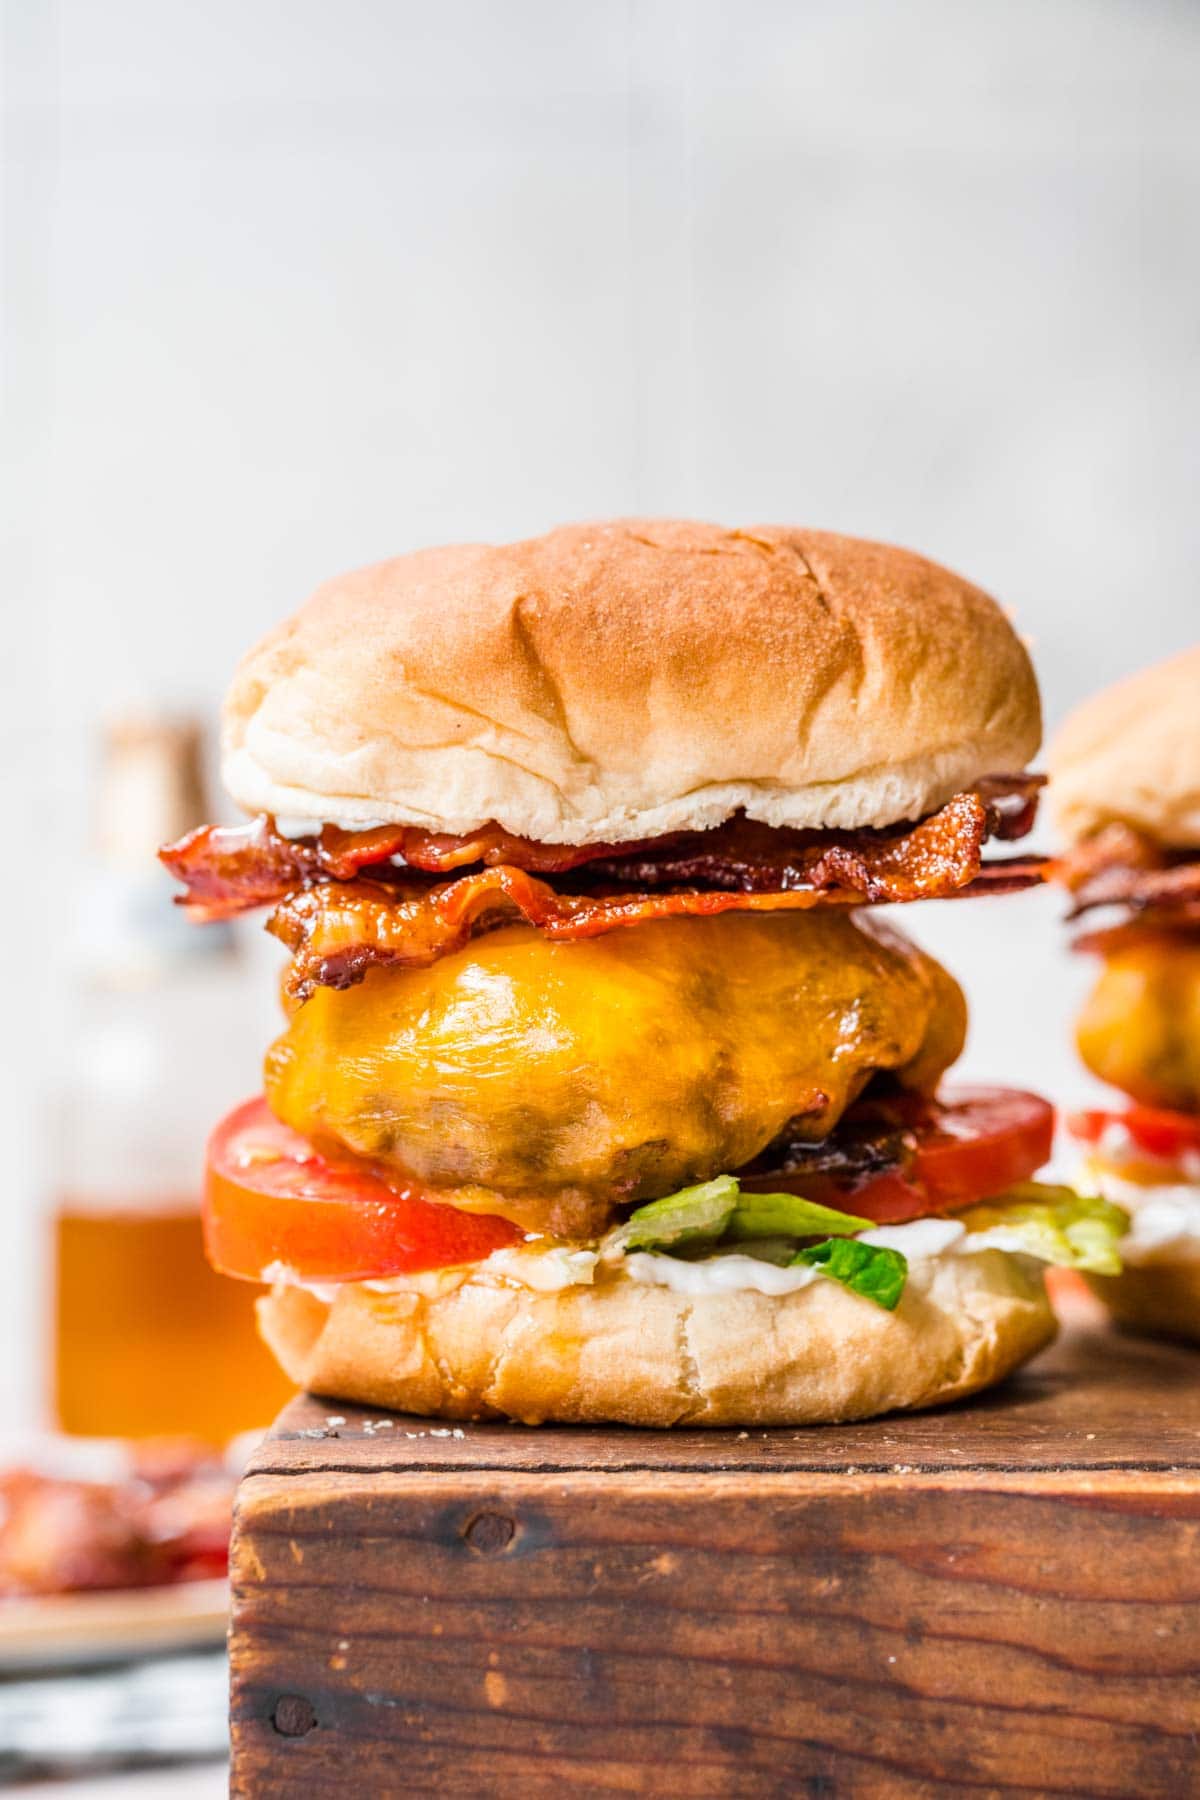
289,287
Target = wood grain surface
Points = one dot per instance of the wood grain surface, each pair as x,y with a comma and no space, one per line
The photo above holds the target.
1094,1400
912,1607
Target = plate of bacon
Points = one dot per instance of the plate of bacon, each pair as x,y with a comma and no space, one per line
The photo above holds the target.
119,1562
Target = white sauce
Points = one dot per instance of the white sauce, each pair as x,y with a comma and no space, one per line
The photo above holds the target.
280,1272
726,1273
551,1270
945,1237
1169,1222
1164,1215
997,1237
291,825
431,1284
920,1237
546,1271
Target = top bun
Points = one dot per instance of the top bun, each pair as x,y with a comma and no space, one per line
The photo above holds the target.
615,681
1131,755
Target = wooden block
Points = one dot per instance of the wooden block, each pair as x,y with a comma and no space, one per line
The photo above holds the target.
998,1598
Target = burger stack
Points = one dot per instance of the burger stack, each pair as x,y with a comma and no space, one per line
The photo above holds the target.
607,1090
1126,771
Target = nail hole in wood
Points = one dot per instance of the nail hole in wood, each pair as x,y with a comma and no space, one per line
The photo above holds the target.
489,1532
293,1716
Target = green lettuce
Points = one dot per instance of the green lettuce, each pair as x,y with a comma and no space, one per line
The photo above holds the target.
789,1215
1075,1231
695,1215
718,1209
698,1219
1055,1224
871,1270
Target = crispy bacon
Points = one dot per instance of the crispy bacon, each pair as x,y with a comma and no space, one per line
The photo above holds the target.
1012,803
934,858
1115,847
1142,890
227,870
165,1519
1106,940
1004,875
350,900
1150,889
337,931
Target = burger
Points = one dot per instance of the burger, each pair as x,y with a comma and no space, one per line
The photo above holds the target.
605,1092
1126,786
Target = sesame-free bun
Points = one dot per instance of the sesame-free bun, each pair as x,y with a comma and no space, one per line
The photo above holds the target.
1131,755
1160,1298
629,1354
614,681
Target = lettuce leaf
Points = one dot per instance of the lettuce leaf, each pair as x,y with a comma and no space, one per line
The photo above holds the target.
1075,1231
789,1215
694,1215
697,1219
699,1216
871,1270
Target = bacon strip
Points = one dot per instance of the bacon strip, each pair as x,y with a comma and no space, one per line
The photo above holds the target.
1012,803
348,901
1151,889
228,870
1177,884
1152,923
150,1525
337,931
1115,847
751,858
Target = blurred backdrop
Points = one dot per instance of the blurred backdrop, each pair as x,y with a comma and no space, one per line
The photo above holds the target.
290,287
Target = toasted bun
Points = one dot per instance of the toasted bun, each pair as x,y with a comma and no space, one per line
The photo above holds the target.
1161,1298
635,1355
1131,755
615,681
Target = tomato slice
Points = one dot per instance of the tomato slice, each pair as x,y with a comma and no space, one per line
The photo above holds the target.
968,1144
271,1199
1156,1131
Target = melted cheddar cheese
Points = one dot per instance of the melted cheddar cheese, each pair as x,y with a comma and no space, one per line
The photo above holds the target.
1140,1029
550,1081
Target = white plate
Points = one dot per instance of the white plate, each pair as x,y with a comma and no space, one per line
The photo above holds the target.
60,1630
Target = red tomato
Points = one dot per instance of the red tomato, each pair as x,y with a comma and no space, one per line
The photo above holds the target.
1161,1134
271,1198
967,1145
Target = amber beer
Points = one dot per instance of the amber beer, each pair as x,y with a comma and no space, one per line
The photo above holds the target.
146,1338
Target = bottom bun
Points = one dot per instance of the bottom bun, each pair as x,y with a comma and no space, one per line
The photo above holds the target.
1160,1298
628,1354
